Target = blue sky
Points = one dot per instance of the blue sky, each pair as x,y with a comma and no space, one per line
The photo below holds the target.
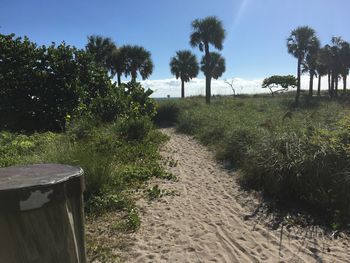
255,46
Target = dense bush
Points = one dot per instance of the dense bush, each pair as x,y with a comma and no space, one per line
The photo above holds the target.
134,128
41,88
299,155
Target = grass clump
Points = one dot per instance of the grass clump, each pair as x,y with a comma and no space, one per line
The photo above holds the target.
293,154
154,192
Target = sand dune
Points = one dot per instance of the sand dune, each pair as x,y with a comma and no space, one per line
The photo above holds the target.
206,220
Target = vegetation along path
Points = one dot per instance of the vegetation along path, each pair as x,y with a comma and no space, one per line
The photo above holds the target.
207,219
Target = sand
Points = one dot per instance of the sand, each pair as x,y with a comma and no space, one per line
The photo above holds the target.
205,220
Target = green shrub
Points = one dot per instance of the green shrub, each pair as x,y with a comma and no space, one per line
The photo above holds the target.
79,129
188,122
134,128
167,113
235,145
47,84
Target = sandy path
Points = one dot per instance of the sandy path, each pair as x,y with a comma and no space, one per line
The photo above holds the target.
205,222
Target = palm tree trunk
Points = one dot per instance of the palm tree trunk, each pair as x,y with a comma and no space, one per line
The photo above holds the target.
311,85
182,89
329,83
344,82
119,79
298,87
336,86
332,85
133,76
207,74
319,85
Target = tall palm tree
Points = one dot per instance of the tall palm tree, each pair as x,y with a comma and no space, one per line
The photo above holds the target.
335,63
299,43
216,65
119,63
184,66
344,56
310,63
102,49
321,70
137,60
325,58
207,31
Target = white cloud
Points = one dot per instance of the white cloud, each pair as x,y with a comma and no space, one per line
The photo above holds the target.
172,86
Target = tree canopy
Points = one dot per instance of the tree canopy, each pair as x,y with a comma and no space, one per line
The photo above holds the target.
216,66
281,83
207,31
184,66
102,49
137,60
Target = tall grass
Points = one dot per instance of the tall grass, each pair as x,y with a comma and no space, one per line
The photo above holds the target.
114,161
293,154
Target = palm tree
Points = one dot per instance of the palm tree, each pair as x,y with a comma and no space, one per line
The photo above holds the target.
137,60
102,49
119,63
325,58
336,63
207,31
184,66
299,43
321,70
310,63
344,56
216,66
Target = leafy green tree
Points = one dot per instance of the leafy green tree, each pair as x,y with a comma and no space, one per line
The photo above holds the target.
137,60
300,42
103,50
216,66
282,83
207,31
184,66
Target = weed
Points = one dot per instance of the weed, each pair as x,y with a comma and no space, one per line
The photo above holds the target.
154,192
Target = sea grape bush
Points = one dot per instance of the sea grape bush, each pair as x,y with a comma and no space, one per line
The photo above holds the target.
41,87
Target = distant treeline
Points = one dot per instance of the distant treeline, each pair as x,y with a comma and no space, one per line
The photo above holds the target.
331,60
